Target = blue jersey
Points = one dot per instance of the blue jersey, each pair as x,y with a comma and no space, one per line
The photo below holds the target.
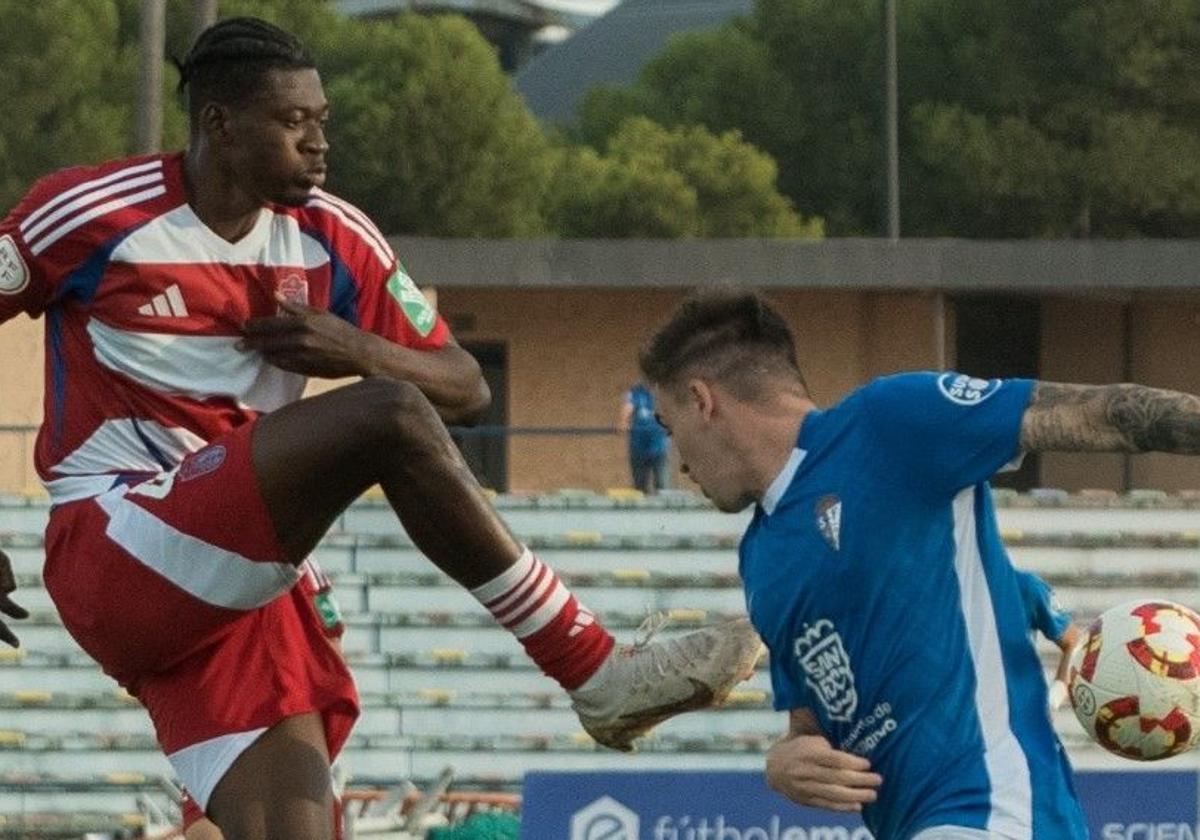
875,573
1043,612
647,437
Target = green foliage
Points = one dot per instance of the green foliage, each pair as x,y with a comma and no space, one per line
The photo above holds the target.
723,79
830,155
429,137
316,23
427,134
599,197
62,63
605,107
655,182
1020,118
1082,117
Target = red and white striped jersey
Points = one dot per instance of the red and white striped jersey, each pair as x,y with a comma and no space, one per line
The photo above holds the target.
144,307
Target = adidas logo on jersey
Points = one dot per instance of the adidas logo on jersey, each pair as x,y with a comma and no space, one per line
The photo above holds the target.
167,305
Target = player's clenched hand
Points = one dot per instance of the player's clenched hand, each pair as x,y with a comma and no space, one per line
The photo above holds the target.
305,340
809,771
8,583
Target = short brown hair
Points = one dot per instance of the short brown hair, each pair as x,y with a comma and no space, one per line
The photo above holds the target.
732,336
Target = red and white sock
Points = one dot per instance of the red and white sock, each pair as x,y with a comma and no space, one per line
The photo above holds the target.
563,637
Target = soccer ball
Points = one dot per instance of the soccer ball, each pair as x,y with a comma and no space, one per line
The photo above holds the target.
1135,680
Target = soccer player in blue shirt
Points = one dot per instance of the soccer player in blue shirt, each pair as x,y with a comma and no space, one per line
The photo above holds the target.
874,570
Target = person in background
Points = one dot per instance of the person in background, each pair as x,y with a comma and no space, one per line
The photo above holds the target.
1047,615
648,448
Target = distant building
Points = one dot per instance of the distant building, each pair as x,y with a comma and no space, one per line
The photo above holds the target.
556,326
612,50
517,28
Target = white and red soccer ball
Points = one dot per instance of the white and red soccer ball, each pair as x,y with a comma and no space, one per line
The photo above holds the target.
1135,680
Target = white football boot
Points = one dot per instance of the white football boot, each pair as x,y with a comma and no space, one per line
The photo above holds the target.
641,685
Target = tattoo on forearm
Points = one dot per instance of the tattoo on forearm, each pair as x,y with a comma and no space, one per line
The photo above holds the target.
1113,418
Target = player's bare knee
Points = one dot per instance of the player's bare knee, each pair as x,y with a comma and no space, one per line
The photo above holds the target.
398,412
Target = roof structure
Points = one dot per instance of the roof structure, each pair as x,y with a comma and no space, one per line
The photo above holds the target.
516,28
1087,266
526,12
613,49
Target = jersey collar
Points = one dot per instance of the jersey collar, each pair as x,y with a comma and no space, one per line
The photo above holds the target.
779,486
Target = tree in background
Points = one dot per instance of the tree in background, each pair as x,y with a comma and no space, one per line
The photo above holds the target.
655,182
61,70
427,134
1053,119
1021,118
720,78
594,196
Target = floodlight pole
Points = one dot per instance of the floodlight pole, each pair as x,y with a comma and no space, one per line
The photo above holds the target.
892,119
152,40
204,15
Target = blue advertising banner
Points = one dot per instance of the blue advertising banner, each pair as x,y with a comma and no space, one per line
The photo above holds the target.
1140,805
739,806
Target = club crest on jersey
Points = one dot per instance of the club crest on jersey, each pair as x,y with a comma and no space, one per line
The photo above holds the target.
416,306
14,274
961,389
827,671
294,289
829,520
202,463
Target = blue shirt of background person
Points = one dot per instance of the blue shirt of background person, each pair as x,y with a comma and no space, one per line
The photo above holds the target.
648,443
1043,612
875,573
1046,615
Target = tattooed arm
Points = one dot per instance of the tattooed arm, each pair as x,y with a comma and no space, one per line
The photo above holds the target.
1110,418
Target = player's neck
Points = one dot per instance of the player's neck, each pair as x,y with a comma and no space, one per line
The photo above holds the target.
216,197
775,436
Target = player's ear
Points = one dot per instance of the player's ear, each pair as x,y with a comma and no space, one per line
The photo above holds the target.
701,395
214,121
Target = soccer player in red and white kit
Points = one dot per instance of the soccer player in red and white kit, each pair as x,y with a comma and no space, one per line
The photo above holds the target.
187,297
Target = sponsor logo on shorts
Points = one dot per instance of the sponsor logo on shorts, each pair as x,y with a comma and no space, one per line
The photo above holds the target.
328,609
966,390
605,819
14,274
202,463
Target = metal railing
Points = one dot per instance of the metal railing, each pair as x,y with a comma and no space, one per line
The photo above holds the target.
17,473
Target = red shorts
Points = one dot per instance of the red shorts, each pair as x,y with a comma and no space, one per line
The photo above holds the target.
179,588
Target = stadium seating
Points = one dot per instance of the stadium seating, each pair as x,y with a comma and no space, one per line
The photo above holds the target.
442,684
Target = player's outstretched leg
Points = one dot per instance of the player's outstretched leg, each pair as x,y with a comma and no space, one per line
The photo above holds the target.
314,457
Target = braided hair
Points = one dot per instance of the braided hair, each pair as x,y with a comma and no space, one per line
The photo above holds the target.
229,59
